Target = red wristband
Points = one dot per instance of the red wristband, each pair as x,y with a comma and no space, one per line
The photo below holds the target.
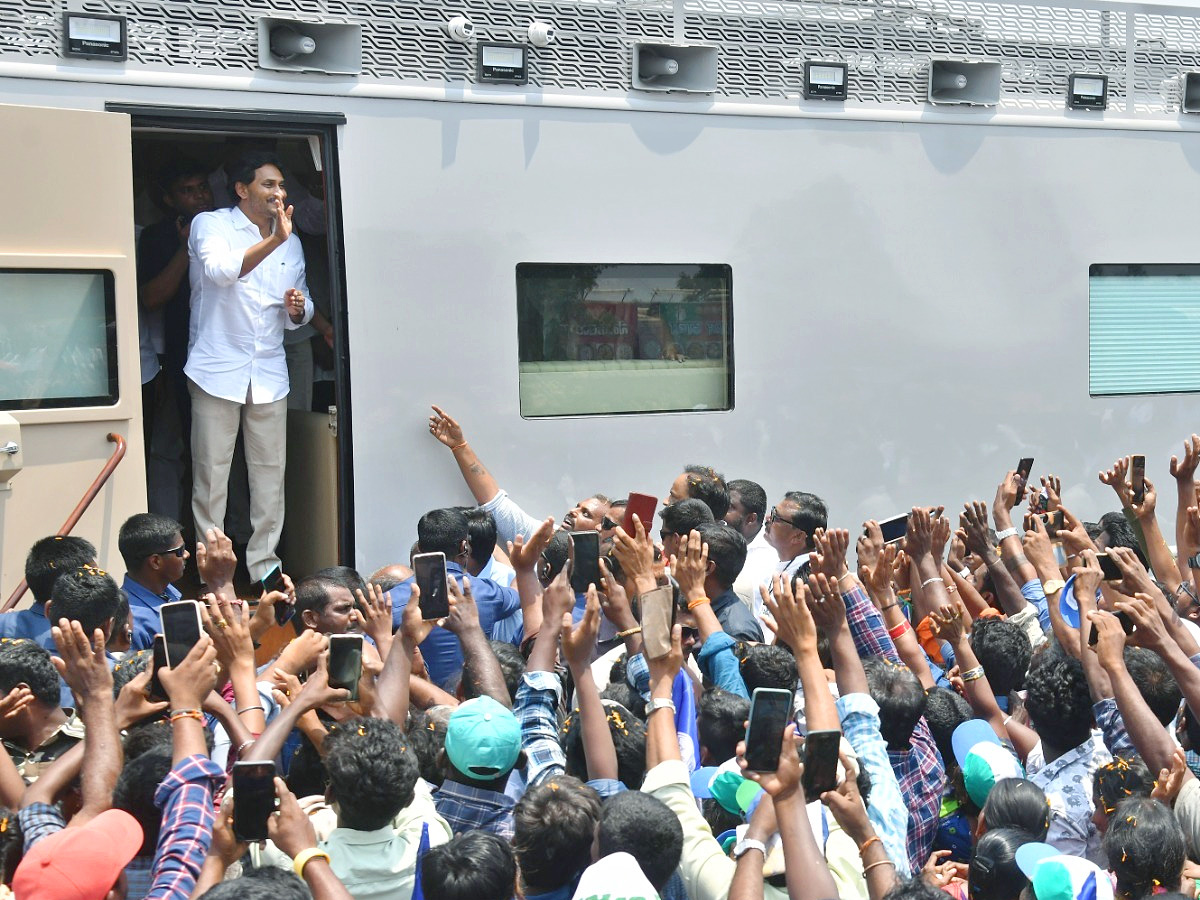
896,632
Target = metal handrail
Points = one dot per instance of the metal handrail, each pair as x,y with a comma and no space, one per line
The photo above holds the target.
76,514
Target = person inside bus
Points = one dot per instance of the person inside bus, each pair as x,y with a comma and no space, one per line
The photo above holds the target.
48,558
155,555
587,515
164,313
247,269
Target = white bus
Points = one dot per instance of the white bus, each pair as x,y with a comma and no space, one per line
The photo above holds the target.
657,239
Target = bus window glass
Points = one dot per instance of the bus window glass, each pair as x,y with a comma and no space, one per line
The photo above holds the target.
603,339
57,339
1144,329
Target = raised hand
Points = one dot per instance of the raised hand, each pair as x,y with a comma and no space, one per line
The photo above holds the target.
374,614
869,545
1110,639
1135,577
444,428
1008,492
1088,576
1145,509
1052,484
464,614
281,221
918,540
826,604
791,618
974,522
230,631
635,553
188,683
785,780
1184,469
263,619
829,555
558,598
947,624
878,577
615,601
1166,788
215,560
941,536
1149,630
413,628
579,641
524,554
1115,478
691,569
81,661
16,700
289,828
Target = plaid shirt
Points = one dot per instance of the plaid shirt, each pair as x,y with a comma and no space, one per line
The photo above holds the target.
469,808
186,799
39,820
919,769
538,700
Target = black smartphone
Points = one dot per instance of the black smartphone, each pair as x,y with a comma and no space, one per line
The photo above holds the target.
585,566
1126,624
158,661
253,799
430,571
1024,467
181,628
1137,478
1053,522
894,528
273,581
345,662
770,712
820,763
1108,565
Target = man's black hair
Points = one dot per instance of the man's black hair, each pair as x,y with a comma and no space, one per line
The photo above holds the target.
706,484
134,793
722,722
557,552
51,556
1155,682
620,692
474,865
680,518
148,736
443,531
24,662
87,595
1018,803
243,170
481,528
994,874
726,549
1004,651
131,666
645,828
176,169
554,824
1145,846
512,665
811,512
1122,777
751,495
346,577
915,888
144,535
426,739
945,710
12,844
313,593
1059,702
371,772
306,772
900,697
629,740
767,666
266,883
1118,533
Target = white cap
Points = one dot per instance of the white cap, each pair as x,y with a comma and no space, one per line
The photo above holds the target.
617,874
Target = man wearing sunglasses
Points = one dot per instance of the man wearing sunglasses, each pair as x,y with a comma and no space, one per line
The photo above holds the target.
790,526
155,554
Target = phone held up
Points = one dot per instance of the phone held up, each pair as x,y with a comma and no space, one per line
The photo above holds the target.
430,572
770,712
181,628
345,662
1137,478
820,763
253,799
585,564
643,505
1024,467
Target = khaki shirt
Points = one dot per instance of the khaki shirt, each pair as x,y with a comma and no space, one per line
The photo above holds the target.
31,763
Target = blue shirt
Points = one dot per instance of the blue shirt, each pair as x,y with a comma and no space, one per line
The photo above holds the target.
30,624
144,604
442,655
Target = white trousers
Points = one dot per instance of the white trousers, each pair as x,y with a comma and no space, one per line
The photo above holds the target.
215,424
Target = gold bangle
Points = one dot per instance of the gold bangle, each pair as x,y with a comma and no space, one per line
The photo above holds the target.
304,857
636,629
881,862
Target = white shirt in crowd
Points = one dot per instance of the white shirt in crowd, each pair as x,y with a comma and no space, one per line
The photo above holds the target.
761,562
238,322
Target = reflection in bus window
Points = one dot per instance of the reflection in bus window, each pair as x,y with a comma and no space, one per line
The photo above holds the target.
602,339
57,339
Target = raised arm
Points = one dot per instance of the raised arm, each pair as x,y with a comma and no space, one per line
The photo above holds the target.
316,692
229,627
291,830
876,562
578,645
791,609
1187,541
524,554
1015,560
480,481
392,687
479,662
975,531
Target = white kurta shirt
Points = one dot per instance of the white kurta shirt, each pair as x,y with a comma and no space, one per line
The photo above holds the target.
238,323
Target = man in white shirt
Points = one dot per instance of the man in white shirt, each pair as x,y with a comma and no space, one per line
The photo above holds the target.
248,287
747,512
790,526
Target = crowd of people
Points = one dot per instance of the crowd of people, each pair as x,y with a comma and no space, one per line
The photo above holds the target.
1015,690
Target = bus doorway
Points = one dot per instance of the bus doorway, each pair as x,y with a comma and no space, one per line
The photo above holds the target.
318,524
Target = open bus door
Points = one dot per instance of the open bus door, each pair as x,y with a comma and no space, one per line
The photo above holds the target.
69,363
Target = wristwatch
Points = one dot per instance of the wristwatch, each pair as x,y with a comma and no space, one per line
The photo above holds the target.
746,844
660,703
1053,586
1006,533
1194,561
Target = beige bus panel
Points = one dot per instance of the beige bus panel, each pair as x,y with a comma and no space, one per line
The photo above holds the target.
69,204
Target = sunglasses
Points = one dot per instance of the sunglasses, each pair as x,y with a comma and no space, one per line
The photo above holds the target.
178,551
689,633
608,524
774,516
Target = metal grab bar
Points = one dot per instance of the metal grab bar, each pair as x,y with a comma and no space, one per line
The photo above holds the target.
76,514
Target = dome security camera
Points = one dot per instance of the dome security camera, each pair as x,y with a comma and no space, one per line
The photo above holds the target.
460,29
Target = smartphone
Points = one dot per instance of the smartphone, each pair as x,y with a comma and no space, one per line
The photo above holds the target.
585,567
770,712
1053,522
273,581
345,661
253,799
180,628
430,571
894,528
1024,467
820,763
1126,623
1137,478
158,660
1108,565
658,615
644,506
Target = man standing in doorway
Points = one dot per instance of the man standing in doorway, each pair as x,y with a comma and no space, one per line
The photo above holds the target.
248,287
